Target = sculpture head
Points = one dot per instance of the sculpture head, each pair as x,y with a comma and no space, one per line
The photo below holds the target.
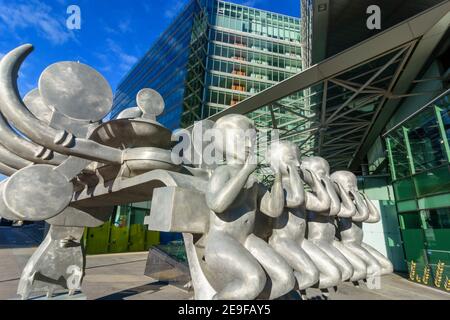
318,165
235,137
349,183
283,155
346,179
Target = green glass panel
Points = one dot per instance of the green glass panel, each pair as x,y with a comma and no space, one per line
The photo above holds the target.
119,236
399,153
137,229
119,239
438,245
404,190
137,238
407,206
152,239
414,245
97,239
433,202
425,140
410,220
432,182
437,235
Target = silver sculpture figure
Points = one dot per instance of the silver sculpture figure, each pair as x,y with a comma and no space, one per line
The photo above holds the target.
321,227
350,228
311,265
233,199
242,240
348,210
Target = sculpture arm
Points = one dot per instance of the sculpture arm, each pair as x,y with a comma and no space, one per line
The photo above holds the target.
348,208
272,203
374,214
319,202
362,211
297,196
223,189
335,203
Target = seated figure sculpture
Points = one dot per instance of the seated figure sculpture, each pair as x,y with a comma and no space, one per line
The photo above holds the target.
348,210
350,229
321,229
232,251
288,235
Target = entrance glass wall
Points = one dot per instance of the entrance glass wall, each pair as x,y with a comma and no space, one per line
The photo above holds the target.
419,157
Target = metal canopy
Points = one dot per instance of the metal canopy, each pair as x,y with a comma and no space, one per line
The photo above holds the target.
337,108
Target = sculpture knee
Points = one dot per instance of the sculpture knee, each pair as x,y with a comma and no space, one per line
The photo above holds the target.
387,267
254,284
332,277
283,281
374,269
347,271
307,278
246,287
359,273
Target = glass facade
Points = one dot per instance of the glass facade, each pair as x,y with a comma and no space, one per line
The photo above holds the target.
419,157
214,55
124,232
171,64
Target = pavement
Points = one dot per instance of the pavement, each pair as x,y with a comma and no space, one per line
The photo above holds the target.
121,277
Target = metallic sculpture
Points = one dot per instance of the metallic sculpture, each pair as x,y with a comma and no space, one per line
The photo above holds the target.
242,240
350,228
289,230
321,229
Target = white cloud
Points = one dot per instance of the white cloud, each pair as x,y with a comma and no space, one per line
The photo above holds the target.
35,15
125,25
125,61
122,27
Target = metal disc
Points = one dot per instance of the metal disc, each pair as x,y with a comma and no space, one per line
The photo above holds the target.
37,107
37,193
150,102
4,211
76,90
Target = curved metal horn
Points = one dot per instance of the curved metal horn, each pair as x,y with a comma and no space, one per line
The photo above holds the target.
15,110
12,160
6,170
26,149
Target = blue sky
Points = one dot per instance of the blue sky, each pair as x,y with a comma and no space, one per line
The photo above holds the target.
113,35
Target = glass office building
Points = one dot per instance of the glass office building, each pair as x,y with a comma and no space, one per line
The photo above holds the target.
214,55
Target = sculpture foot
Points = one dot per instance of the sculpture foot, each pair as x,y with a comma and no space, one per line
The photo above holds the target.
56,266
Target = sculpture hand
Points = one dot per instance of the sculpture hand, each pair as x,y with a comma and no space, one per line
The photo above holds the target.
251,163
